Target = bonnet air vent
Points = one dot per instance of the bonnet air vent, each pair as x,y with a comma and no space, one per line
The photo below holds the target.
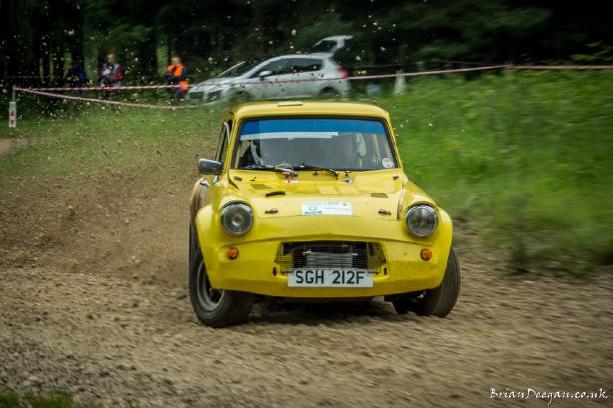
275,193
260,186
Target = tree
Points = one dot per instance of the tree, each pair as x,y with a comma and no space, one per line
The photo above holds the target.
37,36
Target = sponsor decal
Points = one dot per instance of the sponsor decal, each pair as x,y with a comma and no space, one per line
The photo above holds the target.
327,208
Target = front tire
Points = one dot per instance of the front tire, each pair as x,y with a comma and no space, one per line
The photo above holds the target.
434,302
214,308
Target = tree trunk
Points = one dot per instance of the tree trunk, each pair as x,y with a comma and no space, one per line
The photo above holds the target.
77,39
46,68
146,58
168,48
4,36
58,64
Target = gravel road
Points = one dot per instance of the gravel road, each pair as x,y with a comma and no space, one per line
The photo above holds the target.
124,342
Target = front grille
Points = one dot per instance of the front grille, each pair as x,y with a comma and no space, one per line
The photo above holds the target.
195,96
330,254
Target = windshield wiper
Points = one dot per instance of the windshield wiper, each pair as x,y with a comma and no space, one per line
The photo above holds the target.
304,166
281,168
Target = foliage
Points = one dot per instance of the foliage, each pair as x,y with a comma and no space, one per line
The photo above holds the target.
522,159
40,36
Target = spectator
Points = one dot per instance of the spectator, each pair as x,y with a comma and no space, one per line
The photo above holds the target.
76,77
176,73
111,72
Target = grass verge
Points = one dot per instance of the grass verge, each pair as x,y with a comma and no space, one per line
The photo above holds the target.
13,400
521,159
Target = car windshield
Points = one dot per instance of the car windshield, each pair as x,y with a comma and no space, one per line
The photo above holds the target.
240,68
311,143
323,46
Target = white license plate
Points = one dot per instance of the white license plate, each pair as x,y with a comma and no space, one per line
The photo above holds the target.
329,278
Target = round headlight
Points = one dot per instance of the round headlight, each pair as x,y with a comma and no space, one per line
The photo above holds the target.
236,219
421,220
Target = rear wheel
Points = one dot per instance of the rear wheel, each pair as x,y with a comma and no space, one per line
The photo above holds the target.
213,307
328,93
434,302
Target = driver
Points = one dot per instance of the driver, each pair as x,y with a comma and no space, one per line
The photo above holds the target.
349,151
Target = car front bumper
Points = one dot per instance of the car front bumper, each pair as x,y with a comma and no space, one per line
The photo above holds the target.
205,96
257,269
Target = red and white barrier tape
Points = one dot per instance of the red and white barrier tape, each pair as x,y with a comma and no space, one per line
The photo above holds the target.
561,67
44,91
104,101
351,78
104,88
421,73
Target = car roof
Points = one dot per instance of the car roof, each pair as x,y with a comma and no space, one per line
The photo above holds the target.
298,108
322,55
296,56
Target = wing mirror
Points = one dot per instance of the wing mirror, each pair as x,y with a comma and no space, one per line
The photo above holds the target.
206,166
265,74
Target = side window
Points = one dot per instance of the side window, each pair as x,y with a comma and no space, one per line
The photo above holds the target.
305,65
278,67
222,144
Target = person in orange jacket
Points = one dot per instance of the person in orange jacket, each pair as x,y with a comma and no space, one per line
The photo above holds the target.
176,73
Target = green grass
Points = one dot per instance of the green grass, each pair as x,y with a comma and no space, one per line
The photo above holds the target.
522,161
107,140
12,400
525,159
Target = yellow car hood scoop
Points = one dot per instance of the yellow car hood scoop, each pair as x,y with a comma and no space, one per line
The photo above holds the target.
360,195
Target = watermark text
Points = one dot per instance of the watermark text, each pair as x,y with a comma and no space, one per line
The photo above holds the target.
548,396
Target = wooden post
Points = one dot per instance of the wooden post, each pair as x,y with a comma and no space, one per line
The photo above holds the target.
13,110
400,84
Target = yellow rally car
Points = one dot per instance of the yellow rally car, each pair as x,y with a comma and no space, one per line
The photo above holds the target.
310,200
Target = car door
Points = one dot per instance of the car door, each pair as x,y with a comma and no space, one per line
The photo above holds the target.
210,181
307,71
278,81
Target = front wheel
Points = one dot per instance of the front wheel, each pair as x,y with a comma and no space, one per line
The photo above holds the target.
434,302
213,307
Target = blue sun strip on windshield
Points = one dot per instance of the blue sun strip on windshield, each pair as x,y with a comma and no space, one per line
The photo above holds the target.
254,127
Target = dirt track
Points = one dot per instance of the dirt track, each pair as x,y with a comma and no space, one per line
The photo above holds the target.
8,145
93,301
123,342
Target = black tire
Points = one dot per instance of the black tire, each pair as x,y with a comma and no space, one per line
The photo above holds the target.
214,308
192,244
328,93
434,302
